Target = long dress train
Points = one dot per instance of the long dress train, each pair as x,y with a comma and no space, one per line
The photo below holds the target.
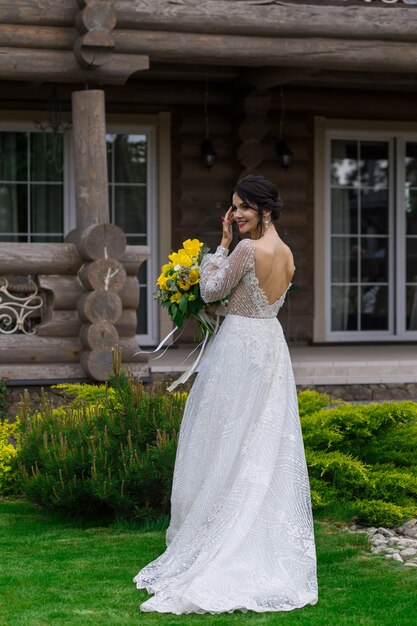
241,531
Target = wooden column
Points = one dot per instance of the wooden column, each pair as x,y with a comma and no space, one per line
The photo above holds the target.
91,184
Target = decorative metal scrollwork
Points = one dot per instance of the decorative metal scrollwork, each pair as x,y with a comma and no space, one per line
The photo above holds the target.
15,311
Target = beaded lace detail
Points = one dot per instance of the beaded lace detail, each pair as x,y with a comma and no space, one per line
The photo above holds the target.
234,276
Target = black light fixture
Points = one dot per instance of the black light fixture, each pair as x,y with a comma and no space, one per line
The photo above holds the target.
284,152
207,149
209,153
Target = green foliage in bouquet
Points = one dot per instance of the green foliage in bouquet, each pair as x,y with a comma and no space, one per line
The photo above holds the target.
362,454
178,283
109,451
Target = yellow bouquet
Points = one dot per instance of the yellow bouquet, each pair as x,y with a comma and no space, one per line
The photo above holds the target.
179,289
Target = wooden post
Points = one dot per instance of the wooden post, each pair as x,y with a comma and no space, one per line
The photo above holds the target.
91,184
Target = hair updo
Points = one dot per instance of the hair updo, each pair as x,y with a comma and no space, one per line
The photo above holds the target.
260,191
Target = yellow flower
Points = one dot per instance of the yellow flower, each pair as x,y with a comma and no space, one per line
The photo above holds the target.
165,268
162,282
191,296
181,258
192,246
194,277
184,286
176,297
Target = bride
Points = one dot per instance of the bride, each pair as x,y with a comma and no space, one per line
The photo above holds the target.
241,531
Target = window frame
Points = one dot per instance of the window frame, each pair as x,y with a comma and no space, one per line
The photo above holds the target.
397,134
157,128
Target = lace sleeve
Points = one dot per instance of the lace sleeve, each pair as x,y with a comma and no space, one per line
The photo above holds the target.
220,273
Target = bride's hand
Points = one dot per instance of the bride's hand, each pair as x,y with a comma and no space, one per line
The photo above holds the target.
227,221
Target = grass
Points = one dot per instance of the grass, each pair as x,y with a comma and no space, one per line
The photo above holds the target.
58,572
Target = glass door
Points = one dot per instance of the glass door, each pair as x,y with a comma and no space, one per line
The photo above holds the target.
361,259
410,248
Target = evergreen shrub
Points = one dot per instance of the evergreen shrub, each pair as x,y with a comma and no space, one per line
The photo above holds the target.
110,450
362,454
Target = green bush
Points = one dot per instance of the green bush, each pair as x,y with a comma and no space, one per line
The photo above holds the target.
109,450
9,445
366,454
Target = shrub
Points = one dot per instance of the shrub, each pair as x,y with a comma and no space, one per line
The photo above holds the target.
9,431
366,454
110,450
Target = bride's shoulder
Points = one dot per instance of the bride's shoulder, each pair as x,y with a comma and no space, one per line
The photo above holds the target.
245,244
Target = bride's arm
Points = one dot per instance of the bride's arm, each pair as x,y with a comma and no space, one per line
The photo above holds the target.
220,273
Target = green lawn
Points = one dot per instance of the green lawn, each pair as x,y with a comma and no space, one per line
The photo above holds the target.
59,572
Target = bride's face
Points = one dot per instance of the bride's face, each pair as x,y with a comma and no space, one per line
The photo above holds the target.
245,215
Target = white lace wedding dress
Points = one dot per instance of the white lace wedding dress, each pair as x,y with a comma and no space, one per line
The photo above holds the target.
241,532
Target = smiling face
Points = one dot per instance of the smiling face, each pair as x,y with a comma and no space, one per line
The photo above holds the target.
245,215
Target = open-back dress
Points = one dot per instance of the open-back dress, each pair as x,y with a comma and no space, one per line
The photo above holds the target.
241,532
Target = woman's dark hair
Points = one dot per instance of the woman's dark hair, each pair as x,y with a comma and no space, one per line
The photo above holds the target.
260,191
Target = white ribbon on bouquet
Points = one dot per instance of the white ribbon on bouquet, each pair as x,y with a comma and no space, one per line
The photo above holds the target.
211,327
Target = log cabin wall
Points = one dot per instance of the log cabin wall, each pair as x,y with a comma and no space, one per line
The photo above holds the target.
199,196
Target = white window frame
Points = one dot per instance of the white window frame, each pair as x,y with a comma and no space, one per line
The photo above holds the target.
397,134
157,128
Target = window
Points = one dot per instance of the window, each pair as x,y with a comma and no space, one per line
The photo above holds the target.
31,187
37,198
368,220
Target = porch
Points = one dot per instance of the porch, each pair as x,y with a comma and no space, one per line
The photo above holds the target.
392,369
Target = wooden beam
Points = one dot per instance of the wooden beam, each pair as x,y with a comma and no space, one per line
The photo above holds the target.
316,53
282,19
61,66
57,258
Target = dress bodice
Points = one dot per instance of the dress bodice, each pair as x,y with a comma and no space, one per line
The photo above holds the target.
234,276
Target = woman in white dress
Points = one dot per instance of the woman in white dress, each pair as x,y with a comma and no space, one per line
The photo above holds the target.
241,532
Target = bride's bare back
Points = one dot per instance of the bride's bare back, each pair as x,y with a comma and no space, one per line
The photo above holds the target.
274,266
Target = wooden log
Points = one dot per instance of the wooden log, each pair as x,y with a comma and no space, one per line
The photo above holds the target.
96,15
127,323
90,158
274,20
61,66
98,336
57,258
134,257
97,364
129,294
68,324
360,21
60,324
96,306
66,290
38,37
37,349
316,53
101,241
103,275
39,258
